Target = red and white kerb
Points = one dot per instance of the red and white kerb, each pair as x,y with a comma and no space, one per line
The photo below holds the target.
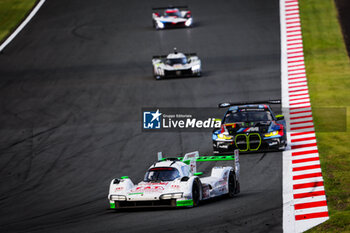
304,199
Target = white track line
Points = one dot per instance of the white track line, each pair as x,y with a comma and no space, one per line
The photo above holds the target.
304,199
22,25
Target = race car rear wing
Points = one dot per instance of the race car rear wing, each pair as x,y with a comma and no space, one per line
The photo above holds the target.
164,56
192,157
228,104
159,56
190,54
169,7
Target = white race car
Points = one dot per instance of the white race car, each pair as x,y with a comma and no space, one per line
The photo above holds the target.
176,65
174,182
172,17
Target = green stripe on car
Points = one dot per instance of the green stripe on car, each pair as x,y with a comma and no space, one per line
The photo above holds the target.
184,202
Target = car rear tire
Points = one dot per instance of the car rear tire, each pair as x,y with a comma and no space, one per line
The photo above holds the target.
238,187
232,189
282,148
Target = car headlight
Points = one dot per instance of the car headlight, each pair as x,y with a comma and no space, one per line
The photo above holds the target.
223,136
171,196
196,68
160,24
117,198
273,133
188,22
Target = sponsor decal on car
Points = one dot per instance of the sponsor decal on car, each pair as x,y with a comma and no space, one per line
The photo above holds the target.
149,189
249,129
160,183
119,188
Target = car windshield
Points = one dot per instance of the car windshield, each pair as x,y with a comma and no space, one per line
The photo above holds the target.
233,117
161,174
174,61
173,13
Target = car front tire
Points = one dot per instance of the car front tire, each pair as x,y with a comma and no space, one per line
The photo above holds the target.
196,192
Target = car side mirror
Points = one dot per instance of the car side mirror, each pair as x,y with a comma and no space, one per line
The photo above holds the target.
279,117
185,178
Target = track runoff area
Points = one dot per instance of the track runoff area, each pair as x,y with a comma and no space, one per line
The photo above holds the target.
304,199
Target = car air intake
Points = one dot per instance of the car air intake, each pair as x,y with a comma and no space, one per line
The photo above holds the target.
254,141
241,142
156,203
175,73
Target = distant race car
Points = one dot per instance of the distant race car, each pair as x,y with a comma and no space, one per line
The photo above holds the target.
171,17
174,182
176,65
250,126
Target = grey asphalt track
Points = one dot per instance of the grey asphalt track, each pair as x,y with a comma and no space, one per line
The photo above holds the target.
72,85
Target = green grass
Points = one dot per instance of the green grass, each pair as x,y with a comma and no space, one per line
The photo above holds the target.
328,72
12,12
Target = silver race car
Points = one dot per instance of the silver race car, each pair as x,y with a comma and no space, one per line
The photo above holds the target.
175,182
176,65
172,17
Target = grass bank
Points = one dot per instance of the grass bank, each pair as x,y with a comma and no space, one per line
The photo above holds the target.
12,12
328,72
